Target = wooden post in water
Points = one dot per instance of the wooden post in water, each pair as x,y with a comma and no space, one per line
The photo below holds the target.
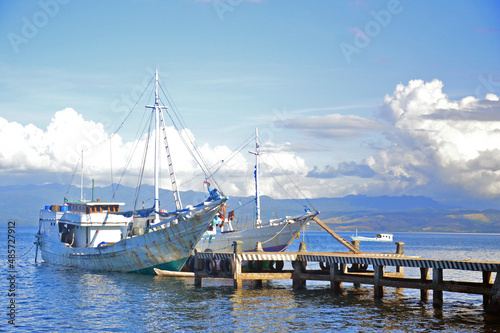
400,270
298,269
400,250
378,274
334,272
198,264
237,250
487,279
494,303
424,276
356,267
258,248
437,281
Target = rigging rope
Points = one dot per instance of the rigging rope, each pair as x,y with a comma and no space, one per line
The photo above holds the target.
109,138
233,154
111,164
28,250
195,151
130,112
73,176
289,178
129,159
143,164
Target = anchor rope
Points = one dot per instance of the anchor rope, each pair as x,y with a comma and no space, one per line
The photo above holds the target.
279,232
27,251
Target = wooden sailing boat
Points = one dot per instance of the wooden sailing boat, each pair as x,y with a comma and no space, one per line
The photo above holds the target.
274,234
95,235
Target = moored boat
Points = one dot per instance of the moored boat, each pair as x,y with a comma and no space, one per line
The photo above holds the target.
274,234
378,238
96,235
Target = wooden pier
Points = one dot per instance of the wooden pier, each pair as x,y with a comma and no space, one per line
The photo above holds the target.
334,268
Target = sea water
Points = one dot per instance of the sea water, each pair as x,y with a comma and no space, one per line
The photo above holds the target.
49,298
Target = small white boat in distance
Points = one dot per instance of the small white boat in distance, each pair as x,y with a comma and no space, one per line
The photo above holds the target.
378,238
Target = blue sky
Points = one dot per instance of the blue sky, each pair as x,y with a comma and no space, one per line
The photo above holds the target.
318,78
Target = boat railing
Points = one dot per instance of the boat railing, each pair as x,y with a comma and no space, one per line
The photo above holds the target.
293,219
186,213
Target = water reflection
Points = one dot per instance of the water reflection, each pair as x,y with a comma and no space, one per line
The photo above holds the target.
52,299
272,310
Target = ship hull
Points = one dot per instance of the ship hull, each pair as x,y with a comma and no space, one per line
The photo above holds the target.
166,248
274,238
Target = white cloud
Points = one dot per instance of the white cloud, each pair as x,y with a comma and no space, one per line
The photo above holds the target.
334,126
435,146
53,154
439,145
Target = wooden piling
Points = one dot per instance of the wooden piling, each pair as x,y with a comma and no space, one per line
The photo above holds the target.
299,268
487,279
400,270
198,266
494,301
237,278
424,277
338,272
335,285
258,248
378,275
437,281
356,267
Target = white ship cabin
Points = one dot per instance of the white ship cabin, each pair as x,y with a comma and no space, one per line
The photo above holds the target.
384,237
86,224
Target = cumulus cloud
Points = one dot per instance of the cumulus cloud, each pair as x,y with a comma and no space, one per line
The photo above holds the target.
54,150
54,153
435,146
439,145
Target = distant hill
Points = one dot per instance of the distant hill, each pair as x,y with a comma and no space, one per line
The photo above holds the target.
430,220
382,213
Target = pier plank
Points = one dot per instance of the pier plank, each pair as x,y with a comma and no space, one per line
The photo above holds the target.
338,272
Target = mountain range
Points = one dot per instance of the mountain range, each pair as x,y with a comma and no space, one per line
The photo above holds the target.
380,214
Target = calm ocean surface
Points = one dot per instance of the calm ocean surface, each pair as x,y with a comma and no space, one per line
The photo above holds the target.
54,299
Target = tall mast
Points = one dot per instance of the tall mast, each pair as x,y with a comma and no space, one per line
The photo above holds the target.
256,174
159,119
81,182
157,109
